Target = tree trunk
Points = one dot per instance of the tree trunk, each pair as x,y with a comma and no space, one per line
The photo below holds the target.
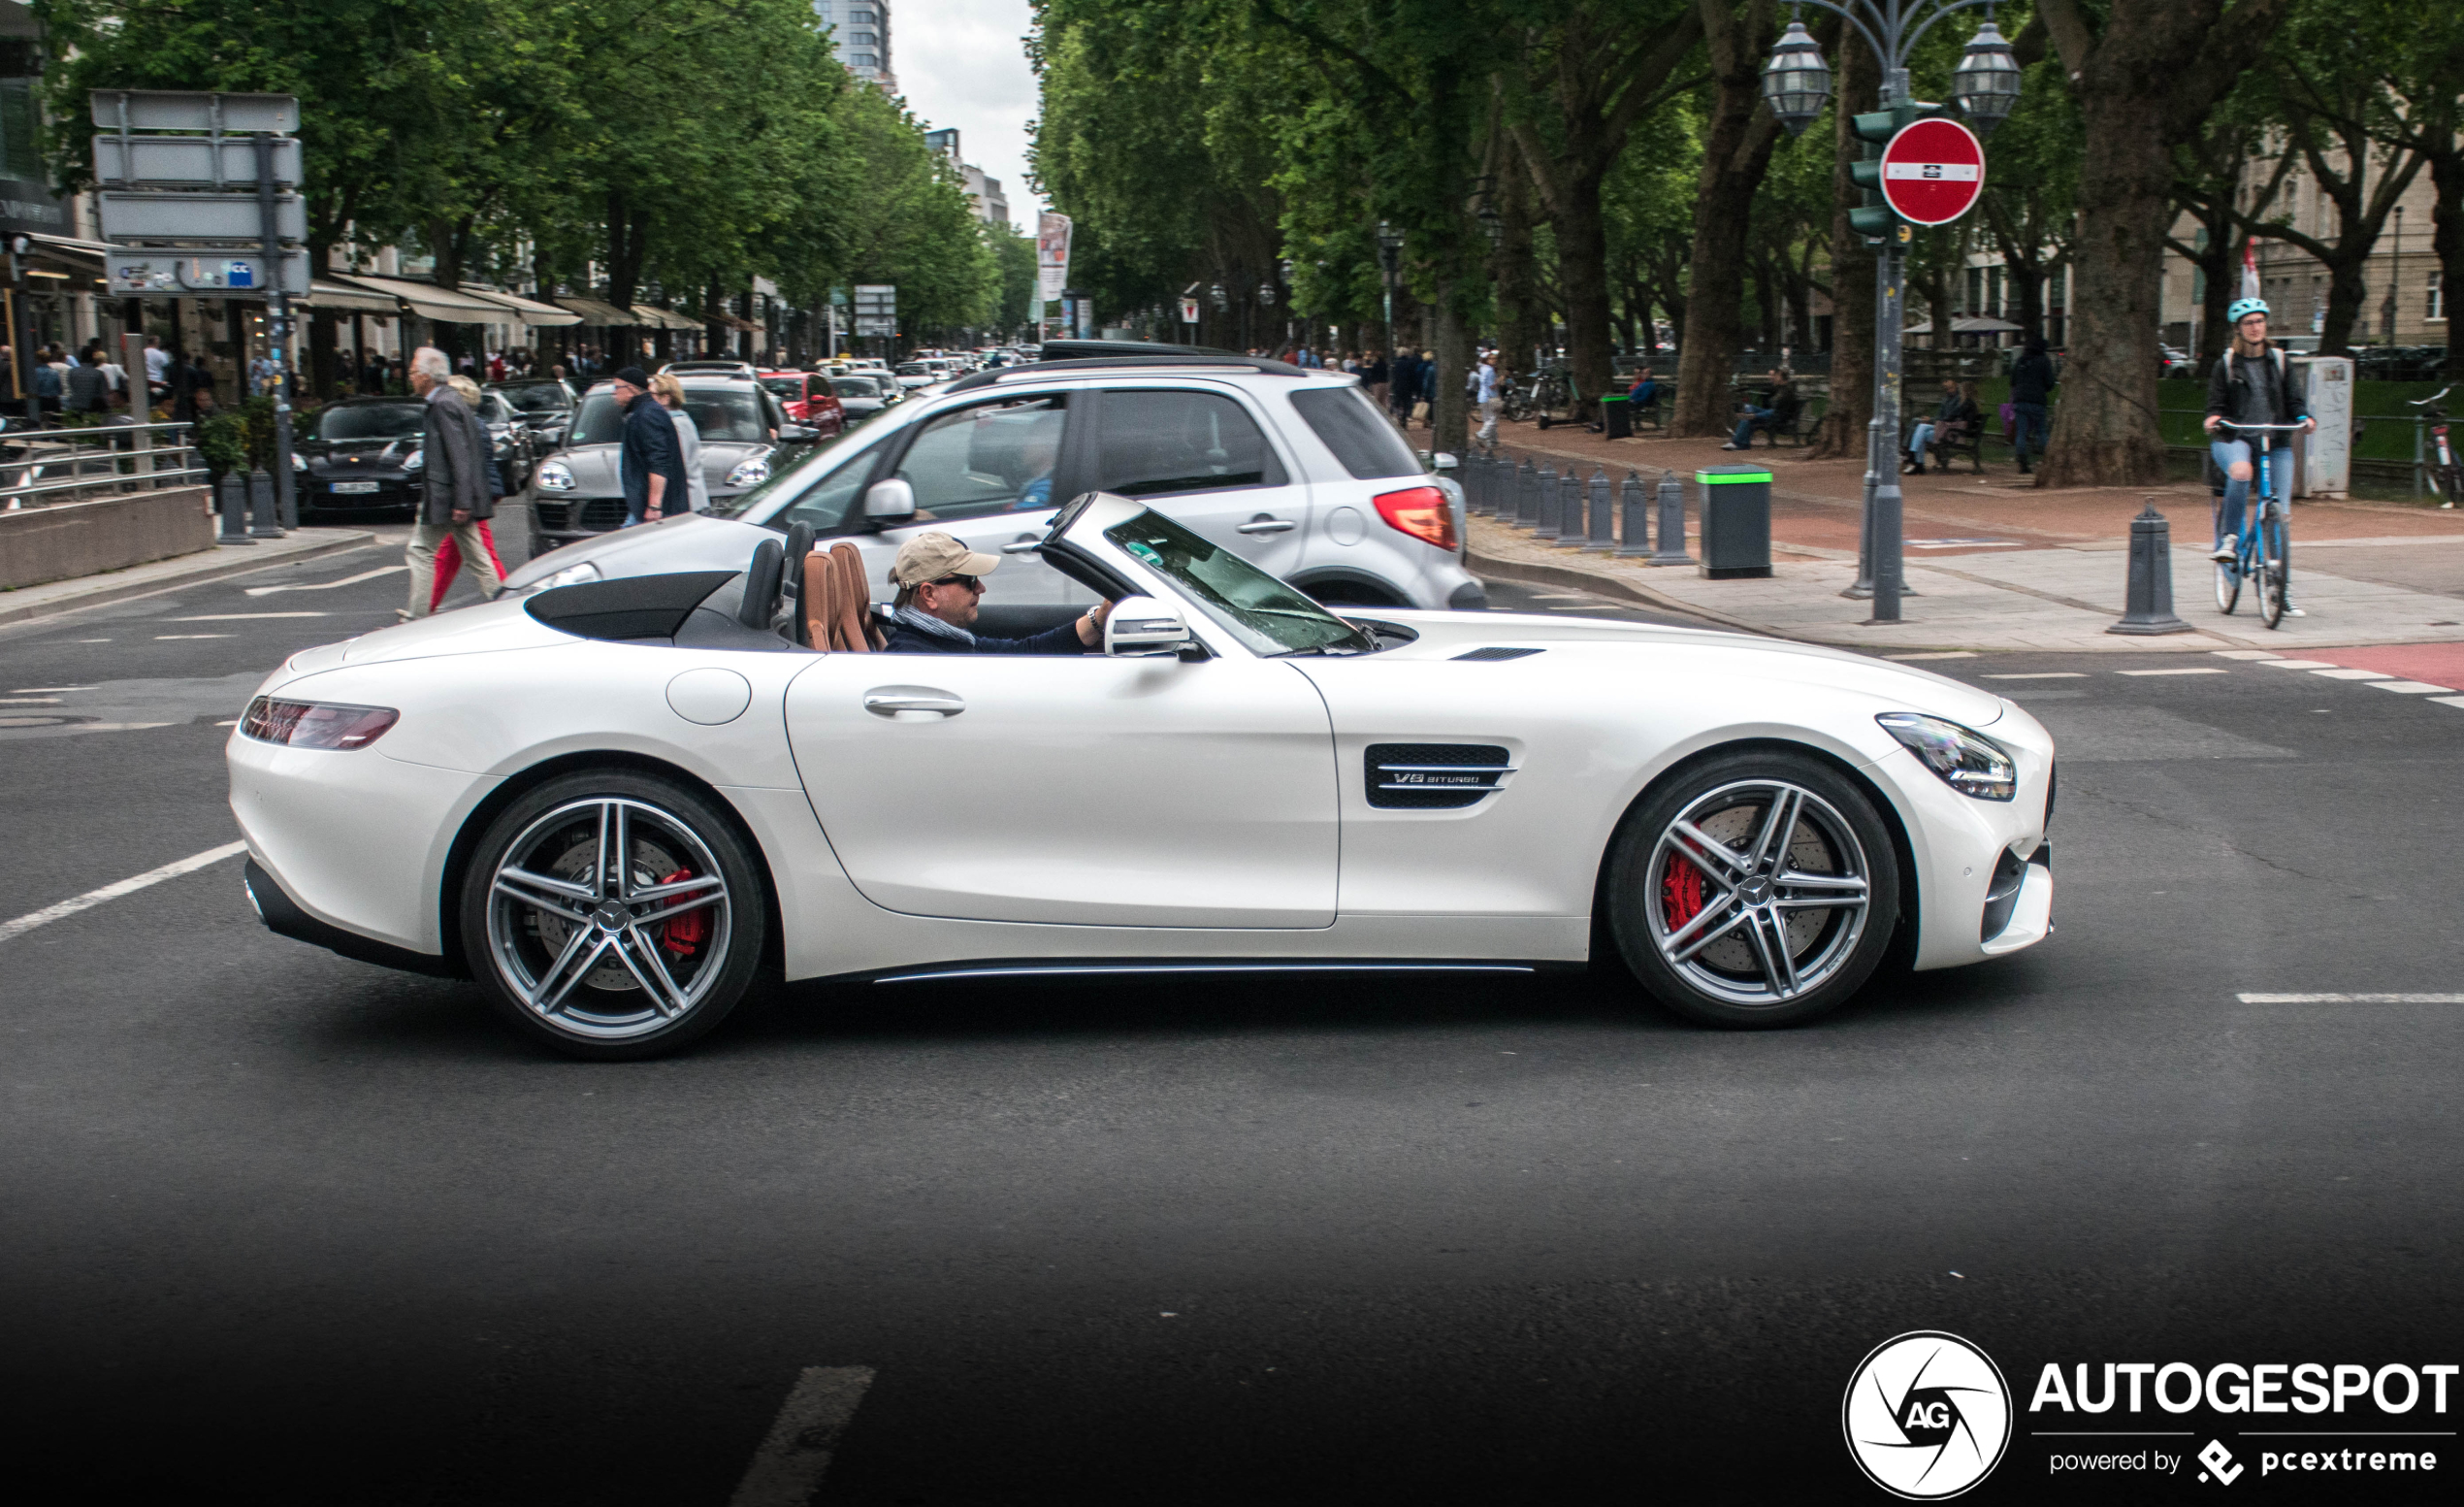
1521,313
1842,431
324,370
1448,416
2447,237
1738,142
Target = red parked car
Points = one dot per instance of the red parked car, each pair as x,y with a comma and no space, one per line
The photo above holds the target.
808,399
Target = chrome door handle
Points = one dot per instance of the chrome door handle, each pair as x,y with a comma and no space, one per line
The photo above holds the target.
889,701
1268,526
1022,543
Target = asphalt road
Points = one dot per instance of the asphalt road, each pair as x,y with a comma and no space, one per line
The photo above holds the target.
287,1227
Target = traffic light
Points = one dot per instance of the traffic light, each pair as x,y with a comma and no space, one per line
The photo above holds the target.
1874,219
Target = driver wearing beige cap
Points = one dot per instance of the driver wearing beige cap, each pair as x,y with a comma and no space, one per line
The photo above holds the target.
940,582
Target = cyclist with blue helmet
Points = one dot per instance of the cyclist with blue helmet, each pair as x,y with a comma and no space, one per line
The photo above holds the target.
2251,385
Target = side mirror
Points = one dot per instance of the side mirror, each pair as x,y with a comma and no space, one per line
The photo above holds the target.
1142,625
888,503
1444,461
792,433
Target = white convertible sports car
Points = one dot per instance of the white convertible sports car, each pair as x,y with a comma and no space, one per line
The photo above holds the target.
612,804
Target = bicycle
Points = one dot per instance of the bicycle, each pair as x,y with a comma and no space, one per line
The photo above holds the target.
2447,476
2264,548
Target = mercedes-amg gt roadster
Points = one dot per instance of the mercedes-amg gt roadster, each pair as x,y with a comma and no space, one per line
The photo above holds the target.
614,804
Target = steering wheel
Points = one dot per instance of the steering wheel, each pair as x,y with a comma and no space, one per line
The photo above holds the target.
762,582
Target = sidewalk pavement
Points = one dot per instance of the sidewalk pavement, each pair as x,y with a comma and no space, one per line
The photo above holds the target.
1994,562
143,580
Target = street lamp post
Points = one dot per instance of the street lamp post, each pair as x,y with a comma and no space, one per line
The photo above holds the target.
1390,262
1984,86
2395,276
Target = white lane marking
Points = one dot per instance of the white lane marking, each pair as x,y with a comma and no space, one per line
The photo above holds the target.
2245,654
789,1465
166,638
232,723
2043,675
2200,670
2449,700
29,700
2408,687
240,618
111,892
2298,664
1941,654
2351,998
90,641
36,689
347,580
2353,675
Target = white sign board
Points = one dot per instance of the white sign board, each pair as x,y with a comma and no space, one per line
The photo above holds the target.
196,216
1052,255
1188,310
876,309
189,161
181,109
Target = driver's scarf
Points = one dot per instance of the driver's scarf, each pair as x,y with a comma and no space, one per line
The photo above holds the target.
925,622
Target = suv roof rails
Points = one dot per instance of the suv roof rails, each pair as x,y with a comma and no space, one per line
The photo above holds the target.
1263,365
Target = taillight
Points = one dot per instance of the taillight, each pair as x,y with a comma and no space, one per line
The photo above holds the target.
316,724
1424,511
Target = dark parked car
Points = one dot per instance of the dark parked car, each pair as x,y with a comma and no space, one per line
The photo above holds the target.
546,407
859,396
358,457
581,493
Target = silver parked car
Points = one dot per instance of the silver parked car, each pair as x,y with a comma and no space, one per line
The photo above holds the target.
579,493
1294,470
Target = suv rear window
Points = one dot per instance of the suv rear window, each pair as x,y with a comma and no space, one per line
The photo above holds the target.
1360,437
1161,441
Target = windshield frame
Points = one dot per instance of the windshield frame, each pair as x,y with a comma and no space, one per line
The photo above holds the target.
1266,631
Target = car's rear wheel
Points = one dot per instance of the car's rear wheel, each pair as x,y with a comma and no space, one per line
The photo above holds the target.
1758,889
613,914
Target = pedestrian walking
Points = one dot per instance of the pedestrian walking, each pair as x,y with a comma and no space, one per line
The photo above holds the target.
1484,392
1425,397
1373,375
454,480
87,388
2032,389
47,385
670,394
157,371
1403,385
648,461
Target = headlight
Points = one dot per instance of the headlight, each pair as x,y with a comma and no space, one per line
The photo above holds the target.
1966,760
298,462
316,724
571,576
415,460
555,476
751,473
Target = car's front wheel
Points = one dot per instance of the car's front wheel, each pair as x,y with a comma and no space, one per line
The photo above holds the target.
613,914
1758,889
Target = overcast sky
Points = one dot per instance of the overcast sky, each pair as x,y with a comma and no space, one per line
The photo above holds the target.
962,63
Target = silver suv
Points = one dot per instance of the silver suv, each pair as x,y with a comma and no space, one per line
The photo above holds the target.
1296,470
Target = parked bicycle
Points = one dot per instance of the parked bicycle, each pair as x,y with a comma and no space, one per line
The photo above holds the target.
2447,476
2263,549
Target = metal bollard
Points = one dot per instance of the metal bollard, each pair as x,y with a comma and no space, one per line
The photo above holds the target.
1485,489
1671,550
1526,496
234,510
2149,611
1552,513
1572,529
1603,517
1634,521
261,506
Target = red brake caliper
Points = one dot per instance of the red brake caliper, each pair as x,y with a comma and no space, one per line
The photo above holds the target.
1680,892
682,935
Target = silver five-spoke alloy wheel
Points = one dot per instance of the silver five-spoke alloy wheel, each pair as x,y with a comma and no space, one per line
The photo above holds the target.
1762,892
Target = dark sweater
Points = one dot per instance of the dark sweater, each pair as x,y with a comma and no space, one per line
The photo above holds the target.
905,639
2031,377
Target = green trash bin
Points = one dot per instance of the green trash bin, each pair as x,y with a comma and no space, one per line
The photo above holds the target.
1616,419
1737,522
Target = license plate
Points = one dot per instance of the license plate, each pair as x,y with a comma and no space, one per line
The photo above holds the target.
354,486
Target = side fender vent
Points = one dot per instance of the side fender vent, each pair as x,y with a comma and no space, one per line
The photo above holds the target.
1434,776
1499,652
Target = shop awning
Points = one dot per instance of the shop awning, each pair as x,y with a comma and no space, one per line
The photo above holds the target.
730,322
324,293
527,310
659,318
594,313
431,302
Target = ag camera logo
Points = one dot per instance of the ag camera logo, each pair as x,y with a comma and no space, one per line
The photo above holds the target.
1928,1415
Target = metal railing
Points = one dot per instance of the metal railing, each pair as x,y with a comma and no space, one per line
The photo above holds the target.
39,466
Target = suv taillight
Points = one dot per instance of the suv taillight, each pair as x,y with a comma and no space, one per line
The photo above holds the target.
1421,511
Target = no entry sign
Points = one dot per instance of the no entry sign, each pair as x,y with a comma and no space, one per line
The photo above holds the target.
1933,172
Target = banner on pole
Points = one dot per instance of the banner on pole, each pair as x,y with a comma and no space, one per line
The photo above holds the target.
1052,255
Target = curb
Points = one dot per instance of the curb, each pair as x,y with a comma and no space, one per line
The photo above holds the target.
1534,573
220,568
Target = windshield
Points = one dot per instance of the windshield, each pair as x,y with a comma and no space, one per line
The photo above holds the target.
792,387
854,387
915,369
600,423
536,398
726,414
494,409
368,422
1266,616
